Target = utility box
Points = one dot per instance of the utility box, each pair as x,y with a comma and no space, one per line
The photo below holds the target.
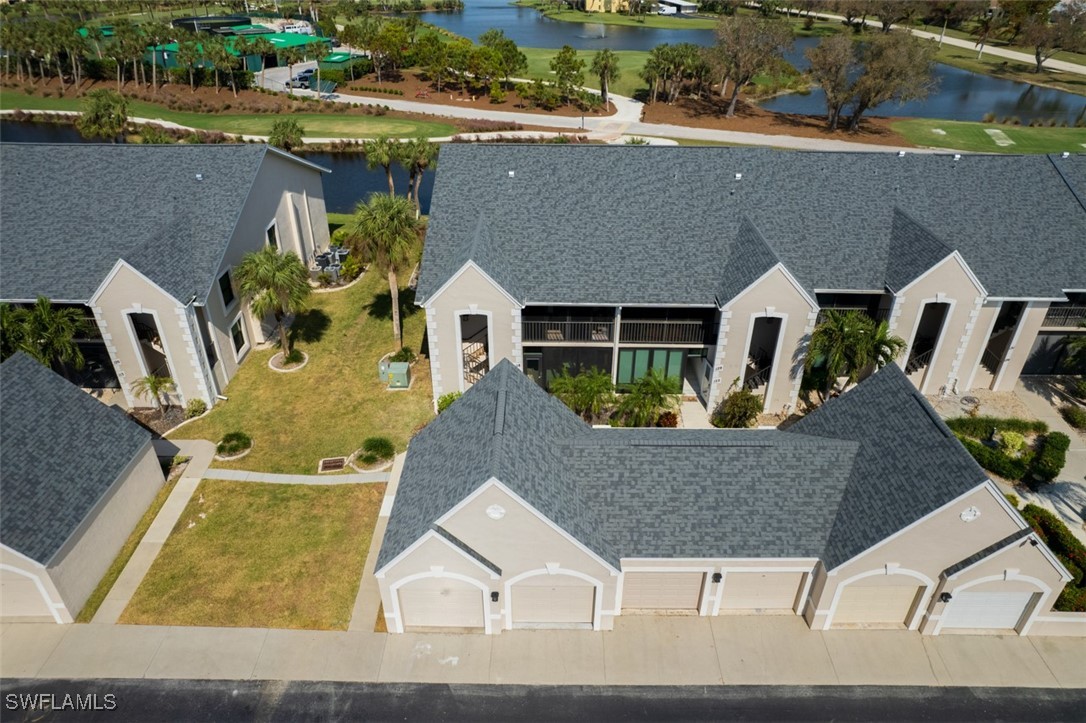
382,368
399,375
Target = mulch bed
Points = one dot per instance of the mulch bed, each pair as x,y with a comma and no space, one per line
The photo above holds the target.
416,88
156,420
750,118
277,363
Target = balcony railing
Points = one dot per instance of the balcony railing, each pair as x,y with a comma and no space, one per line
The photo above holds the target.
662,332
583,332
1065,315
880,315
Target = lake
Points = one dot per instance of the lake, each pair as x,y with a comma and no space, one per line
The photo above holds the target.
350,181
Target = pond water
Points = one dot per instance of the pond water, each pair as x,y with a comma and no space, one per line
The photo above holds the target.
350,181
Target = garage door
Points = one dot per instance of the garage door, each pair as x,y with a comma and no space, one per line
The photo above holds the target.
886,605
662,590
20,598
761,590
441,603
999,610
556,602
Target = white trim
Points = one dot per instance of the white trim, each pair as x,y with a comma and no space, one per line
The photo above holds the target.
296,227
290,156
1006,575
460,341
471,264
227,308
725,561
961,262
1002,501
309,225
278,237
984,347
21,556
1036,543
597,604
1035,298
938,299
171,363
903,530
53,607
921,602
239,354
493,575
787,275
774,368
1013,343
92,301
801,601
394,588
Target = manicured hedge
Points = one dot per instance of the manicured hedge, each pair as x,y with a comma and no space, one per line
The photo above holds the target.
1068,548
981,427
1075,416
995,460
1049,461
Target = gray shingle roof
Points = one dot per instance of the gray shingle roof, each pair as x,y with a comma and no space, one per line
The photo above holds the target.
750,257
613,225
857,470
61,450
987,551
912,251
908,462
70,211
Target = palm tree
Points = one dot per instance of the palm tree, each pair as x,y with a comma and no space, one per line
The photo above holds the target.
155,34
47,332
848,343
262,47
189,54
605,66
416,156
11,331
292,56
386,232
882,346
1076,347
382,152
274,283
104,115
587,393
650,396
156,387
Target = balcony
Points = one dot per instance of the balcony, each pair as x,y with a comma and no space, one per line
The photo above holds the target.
880,315
1065,316
663,332
576,332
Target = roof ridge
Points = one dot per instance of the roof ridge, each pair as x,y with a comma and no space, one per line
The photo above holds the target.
1063,177
497,447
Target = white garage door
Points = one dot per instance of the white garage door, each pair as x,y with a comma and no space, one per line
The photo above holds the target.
981,610
761,590
554,603
441,603
662,590
885,605
20,598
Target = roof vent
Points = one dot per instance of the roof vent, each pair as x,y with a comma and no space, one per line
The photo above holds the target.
511,173
1065,154
199,176
901,154
739,176
957,156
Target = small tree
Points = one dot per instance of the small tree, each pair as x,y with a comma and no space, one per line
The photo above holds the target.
157,388
833,66
746,46
46,332
274,283
382,152
605,67
262,47
650,396
286,133
104,115
738,410
416,156
588,393
569,71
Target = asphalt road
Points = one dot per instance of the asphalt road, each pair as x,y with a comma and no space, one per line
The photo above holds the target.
175,701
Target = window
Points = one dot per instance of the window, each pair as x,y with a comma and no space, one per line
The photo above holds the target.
226,286
273,235
237,333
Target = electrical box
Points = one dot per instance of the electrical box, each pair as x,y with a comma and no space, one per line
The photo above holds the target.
382,368
399,375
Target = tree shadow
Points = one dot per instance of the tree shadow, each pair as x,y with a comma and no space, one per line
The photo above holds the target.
381,307
309,326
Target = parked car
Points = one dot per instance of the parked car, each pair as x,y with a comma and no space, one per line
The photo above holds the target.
301,79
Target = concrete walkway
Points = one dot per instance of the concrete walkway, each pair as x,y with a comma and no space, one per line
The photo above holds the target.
241,475
130,578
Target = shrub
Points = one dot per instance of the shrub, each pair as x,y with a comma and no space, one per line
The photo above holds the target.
1049,461
351,268
1012,443
324,278
445,400
988,118
1055,534
1013,499
994,460
668,419
195,408
497,94
403,355
1080,389
286,133
1075,416
981,427
234,443
738,410
376,449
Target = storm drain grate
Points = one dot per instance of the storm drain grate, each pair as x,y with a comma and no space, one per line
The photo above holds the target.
332,464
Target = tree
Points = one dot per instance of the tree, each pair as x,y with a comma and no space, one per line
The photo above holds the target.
382,152
890,12
416,156
386,233
512,60
568,70
588,393
189,53
155,34
104,114
433,57
605,67
157,388
11,330
387,47
648,398
833,67
48,333
286,133
458,54
221,59
484,65
274,283
351,35
748,45
1065,30
124,37
948,12
292,56
897,67
848,343
988,25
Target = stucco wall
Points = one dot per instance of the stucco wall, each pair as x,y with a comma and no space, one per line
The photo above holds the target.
773,295
972,374
948,282
129,292
1028,327
31,580
79,566
470,293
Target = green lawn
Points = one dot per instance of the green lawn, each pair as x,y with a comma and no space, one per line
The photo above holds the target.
650,20
974,136
630,63
329,407
247,554
314,124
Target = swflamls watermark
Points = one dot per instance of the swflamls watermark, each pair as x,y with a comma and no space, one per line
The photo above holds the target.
60,701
